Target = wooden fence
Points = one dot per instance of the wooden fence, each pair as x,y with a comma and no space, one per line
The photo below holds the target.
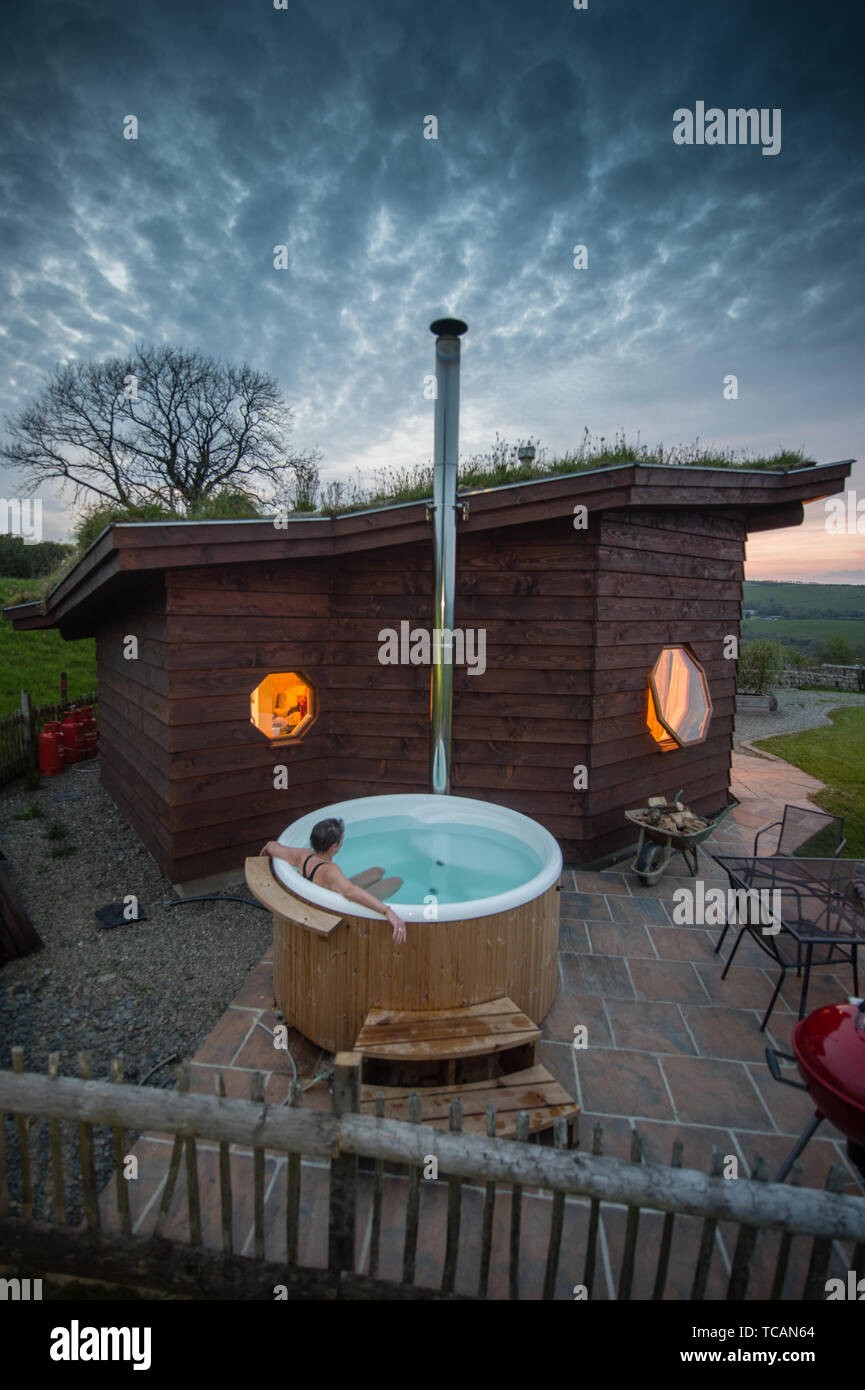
147,1261
19,734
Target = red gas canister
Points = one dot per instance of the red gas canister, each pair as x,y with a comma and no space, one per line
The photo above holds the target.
91,737
73,736
51,750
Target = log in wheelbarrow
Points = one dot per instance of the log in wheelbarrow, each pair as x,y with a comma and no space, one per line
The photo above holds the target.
656,845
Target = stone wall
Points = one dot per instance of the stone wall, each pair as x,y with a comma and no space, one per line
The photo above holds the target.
831,677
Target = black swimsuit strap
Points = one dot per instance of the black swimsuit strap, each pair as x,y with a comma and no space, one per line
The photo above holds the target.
305,862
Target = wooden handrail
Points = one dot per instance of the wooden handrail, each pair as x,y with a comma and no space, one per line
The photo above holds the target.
275,896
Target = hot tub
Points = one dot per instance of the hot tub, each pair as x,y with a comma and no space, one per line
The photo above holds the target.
480,896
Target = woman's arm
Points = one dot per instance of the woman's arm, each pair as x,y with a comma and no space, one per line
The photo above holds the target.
338,883
278,851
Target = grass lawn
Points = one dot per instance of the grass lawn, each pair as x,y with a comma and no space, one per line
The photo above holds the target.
33,660
837,757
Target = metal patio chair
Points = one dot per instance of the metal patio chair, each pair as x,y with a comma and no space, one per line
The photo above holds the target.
803,834
806,834
821,922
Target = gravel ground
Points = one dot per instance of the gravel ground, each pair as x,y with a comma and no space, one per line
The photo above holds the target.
141,991
797,710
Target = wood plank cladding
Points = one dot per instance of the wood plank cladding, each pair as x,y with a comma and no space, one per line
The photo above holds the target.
664,578
226,629
572,620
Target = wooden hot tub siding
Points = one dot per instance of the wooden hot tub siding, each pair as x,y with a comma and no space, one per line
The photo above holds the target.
326,986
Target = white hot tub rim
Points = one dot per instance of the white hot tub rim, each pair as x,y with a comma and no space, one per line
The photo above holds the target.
431,809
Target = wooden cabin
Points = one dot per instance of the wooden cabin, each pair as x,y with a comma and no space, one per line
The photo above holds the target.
228,650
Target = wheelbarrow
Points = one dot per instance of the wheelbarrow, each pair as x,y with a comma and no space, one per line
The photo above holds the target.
655,846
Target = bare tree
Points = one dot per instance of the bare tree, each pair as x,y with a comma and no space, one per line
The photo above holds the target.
162,425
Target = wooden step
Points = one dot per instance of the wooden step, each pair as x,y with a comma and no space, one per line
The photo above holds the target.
534,1090
444,1034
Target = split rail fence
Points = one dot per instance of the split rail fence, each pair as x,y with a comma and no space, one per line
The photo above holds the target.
19,734
187,1269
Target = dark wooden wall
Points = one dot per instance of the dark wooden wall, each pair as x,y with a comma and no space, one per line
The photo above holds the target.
135,719
521,727
573,621
225,630
379,730
663,578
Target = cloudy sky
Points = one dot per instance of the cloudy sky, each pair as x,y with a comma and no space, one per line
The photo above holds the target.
304,126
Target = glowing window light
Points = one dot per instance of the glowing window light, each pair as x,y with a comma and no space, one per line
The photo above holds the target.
679,705
283,705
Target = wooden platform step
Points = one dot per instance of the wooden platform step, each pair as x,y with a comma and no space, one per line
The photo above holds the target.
534,1090
444,1034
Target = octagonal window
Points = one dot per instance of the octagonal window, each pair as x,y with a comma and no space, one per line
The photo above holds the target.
283,705
680,706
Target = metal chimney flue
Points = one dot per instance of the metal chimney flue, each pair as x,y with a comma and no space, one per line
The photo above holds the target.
446,454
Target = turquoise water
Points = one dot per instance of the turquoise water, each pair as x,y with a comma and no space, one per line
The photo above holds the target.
455,863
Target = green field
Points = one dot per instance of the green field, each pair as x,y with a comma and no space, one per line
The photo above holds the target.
782,599
836,756
33,660
805,633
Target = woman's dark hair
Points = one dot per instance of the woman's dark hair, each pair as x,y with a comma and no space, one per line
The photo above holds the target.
326,834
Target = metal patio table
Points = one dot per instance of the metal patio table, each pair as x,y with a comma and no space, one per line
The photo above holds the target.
821,917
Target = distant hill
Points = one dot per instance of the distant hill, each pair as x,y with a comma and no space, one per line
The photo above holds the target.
804,616
771,599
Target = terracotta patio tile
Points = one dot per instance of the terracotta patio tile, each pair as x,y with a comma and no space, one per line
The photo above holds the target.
697,1143
713,1093
202,1080
606,976
583,907
816,1159
573,937
748,952
607,882
682,943
747,988
559,1059
684,1251
257,992
630,911
673,981
314,1215
615,1138
824,987
622,1083
790,1110
152,1159
765,1258
432,1228
176,1226
318,1097
616,939
223,1043
651,1027
259,1051
568,1011
720,1031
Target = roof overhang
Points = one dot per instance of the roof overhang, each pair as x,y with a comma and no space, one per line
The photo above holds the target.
127,555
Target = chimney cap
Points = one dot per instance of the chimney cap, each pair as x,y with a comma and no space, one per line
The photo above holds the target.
451,328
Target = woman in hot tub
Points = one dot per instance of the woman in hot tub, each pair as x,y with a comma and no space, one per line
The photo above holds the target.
316,864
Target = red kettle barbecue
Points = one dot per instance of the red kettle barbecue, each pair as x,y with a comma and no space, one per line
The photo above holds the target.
830,1053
